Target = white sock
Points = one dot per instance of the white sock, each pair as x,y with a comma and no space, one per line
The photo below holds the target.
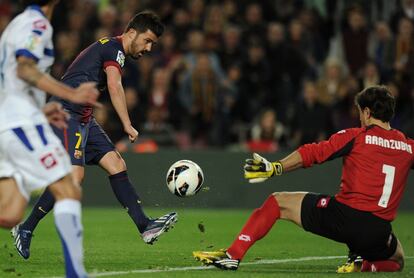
68,224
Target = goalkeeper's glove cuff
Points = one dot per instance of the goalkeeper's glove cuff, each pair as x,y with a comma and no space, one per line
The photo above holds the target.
278,168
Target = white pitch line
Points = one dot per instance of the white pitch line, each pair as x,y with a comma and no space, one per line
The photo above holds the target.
174,269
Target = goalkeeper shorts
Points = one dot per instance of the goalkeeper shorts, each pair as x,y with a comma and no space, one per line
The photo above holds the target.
365,234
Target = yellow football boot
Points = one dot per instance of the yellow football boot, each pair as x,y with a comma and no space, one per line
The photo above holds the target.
353,264
218,258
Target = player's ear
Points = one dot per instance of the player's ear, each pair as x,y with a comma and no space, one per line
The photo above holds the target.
132,33
367,112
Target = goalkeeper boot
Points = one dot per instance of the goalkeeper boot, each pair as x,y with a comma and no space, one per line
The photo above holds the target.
353,264
158,226
22,240
220,259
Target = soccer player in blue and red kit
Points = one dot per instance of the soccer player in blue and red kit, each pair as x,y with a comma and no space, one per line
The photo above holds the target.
376,162
85,140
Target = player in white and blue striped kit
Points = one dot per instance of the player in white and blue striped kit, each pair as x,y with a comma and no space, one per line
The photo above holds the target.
31,156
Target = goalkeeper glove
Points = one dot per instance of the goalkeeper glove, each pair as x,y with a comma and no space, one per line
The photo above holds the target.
259,169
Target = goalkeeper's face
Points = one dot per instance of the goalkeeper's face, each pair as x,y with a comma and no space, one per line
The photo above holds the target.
142,43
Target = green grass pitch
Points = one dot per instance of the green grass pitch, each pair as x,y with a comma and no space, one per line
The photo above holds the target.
113,245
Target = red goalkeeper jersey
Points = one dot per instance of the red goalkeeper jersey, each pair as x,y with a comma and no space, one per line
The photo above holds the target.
376,164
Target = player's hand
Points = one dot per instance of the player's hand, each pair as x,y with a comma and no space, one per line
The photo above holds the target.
258,169
132,133
55,114
86,94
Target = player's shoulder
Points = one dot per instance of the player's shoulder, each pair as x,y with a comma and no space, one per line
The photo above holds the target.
110,42
401,134
35,20
112,49
351,132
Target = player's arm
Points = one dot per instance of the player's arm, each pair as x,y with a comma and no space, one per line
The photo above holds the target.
117,95
258,169
27,71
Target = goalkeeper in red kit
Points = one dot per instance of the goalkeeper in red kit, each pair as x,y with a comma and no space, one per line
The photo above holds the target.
376,163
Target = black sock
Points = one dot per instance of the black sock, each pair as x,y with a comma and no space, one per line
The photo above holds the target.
129,199
40,209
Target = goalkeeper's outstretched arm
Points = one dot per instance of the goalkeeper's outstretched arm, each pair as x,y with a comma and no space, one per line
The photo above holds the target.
291,162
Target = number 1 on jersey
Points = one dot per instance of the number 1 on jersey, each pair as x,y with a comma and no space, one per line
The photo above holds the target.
389,172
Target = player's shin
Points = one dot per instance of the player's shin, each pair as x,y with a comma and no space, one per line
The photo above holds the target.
257,226
129,199
68,224
42,207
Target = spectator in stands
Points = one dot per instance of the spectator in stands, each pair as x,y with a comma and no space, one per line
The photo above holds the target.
67,46
229,93
196,44
213,27
230,51
404,58
355,36
405,9
404,44
331,82
370,75
167,52
267,134
254,27
108,16
254,87
381,48
157,129
311,120
196,13
231,11
345,114
198,95
181,26
159,91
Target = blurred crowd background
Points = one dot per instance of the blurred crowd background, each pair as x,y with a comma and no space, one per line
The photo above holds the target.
252,75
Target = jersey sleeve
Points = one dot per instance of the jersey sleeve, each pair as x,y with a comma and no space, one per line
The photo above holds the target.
337,145
411,142
112,56
33,39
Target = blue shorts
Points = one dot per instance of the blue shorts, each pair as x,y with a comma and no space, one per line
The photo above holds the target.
86,143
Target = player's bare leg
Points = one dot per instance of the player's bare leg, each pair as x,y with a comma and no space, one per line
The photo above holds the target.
399,255
150,229
279,205
78,173
12,203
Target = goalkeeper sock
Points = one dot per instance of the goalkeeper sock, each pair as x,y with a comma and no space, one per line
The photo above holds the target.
258,225
380,266
129,199
42,207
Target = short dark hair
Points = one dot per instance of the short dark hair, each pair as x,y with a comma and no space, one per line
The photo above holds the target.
35,2
379,100
144,21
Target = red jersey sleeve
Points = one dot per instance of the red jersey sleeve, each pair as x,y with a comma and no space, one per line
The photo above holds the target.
339,144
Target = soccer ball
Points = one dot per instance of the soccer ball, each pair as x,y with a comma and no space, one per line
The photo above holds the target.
185,178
